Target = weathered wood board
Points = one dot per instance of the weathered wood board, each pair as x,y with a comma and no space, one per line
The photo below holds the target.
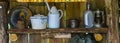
71,10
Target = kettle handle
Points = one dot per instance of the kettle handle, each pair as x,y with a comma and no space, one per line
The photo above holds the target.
103,18
61,13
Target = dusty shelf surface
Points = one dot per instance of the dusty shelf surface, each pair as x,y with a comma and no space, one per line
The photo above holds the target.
60,30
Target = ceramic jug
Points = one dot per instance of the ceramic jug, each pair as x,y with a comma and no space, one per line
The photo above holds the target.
38,21
54,17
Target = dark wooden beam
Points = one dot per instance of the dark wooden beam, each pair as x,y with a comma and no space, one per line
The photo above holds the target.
112,11
3,33
61,30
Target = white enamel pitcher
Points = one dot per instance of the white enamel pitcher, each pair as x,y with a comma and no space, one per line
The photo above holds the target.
54,17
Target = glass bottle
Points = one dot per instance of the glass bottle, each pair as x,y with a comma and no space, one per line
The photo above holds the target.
88,17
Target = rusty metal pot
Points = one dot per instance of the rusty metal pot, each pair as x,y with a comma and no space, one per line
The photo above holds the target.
15,15
73,23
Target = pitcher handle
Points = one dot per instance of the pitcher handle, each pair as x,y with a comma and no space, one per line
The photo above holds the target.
61,13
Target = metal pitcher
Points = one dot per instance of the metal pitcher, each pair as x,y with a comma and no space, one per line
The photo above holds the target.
98,18
54,17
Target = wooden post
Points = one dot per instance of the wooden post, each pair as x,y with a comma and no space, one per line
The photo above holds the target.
3,23
112,11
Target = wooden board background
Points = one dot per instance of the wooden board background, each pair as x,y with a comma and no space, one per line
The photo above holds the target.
71,10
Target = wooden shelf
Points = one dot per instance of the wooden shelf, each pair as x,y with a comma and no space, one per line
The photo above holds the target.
61,30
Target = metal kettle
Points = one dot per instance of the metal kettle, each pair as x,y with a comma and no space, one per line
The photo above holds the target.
98,18
54,17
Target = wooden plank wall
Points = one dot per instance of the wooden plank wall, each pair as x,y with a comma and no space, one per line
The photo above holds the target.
3,22
71,10
76,9
112,11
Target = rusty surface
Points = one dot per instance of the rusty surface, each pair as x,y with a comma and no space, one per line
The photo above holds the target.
62,30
